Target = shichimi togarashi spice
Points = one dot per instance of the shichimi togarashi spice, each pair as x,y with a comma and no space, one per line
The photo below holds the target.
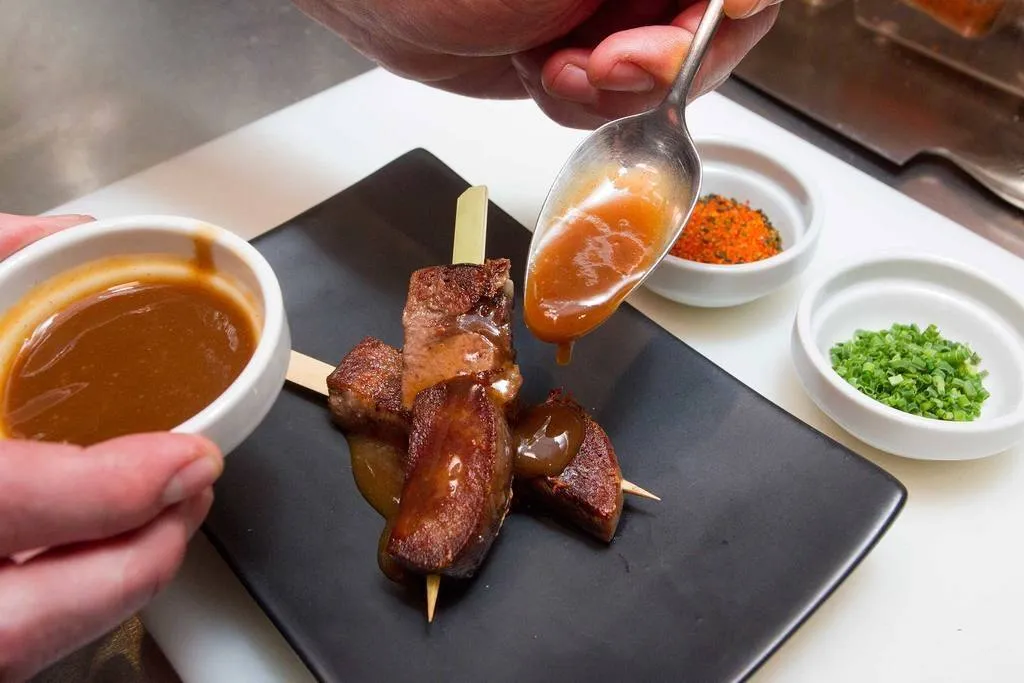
725,231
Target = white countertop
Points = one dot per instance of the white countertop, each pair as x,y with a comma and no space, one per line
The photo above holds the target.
939,599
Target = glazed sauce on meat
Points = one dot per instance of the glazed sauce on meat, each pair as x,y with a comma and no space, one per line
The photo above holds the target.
377,470
546,439
442,479
137,357
594,253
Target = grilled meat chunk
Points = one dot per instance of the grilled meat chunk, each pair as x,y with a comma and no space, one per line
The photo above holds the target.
459,484
365,397
458,321
365,393
588,492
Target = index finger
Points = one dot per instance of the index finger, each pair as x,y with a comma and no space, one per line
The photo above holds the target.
17,232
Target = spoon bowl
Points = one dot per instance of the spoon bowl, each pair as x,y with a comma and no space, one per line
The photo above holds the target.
649,159
657,139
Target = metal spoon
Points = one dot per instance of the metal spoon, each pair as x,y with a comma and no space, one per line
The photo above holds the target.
658,138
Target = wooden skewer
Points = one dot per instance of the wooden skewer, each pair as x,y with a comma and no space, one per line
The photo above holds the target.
311,374
632,489
433,586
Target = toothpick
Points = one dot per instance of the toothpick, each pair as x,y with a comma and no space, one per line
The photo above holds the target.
469,246
311,374
433,586
308,373
632,489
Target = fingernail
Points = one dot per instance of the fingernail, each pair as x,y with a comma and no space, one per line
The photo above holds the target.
193,478
26,555
626,77
572,84
764,4
69,219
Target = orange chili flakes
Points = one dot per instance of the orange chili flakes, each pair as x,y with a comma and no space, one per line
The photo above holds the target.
725,231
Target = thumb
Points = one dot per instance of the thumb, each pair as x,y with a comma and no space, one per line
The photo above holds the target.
54,494
659,51
17,232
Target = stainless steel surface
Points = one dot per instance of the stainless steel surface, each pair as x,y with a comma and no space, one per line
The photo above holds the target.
934,182
658,139
992,51
94,91
892,100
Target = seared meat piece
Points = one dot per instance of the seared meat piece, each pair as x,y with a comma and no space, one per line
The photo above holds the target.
365,396
588,492
365,393
458,321
458,485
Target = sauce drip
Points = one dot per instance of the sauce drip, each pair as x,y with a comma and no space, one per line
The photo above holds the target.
137,357
546,439
595,252
203,258
440,471
377,470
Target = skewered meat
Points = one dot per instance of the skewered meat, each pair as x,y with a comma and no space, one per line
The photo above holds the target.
458,321
365,393
588,492
365,396
458,486
365,399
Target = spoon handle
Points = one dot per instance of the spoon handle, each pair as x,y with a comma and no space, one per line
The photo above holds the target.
695,55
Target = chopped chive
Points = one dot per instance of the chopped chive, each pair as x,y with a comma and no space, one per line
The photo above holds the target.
918,372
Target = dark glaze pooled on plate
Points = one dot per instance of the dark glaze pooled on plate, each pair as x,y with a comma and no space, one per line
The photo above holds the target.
600,246
144,355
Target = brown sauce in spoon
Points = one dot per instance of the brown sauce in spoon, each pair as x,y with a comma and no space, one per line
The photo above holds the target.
595,252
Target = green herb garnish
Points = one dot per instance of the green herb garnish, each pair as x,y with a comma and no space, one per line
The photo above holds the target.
917,372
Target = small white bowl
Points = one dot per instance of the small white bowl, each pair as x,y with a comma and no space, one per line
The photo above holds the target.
965,305
233,416
739,171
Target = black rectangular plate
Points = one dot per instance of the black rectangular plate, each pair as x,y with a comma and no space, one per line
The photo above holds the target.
762,517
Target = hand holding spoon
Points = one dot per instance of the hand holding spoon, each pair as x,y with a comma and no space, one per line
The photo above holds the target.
616,208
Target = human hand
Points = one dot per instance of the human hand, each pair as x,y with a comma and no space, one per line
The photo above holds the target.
583,61
17,232
113,520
